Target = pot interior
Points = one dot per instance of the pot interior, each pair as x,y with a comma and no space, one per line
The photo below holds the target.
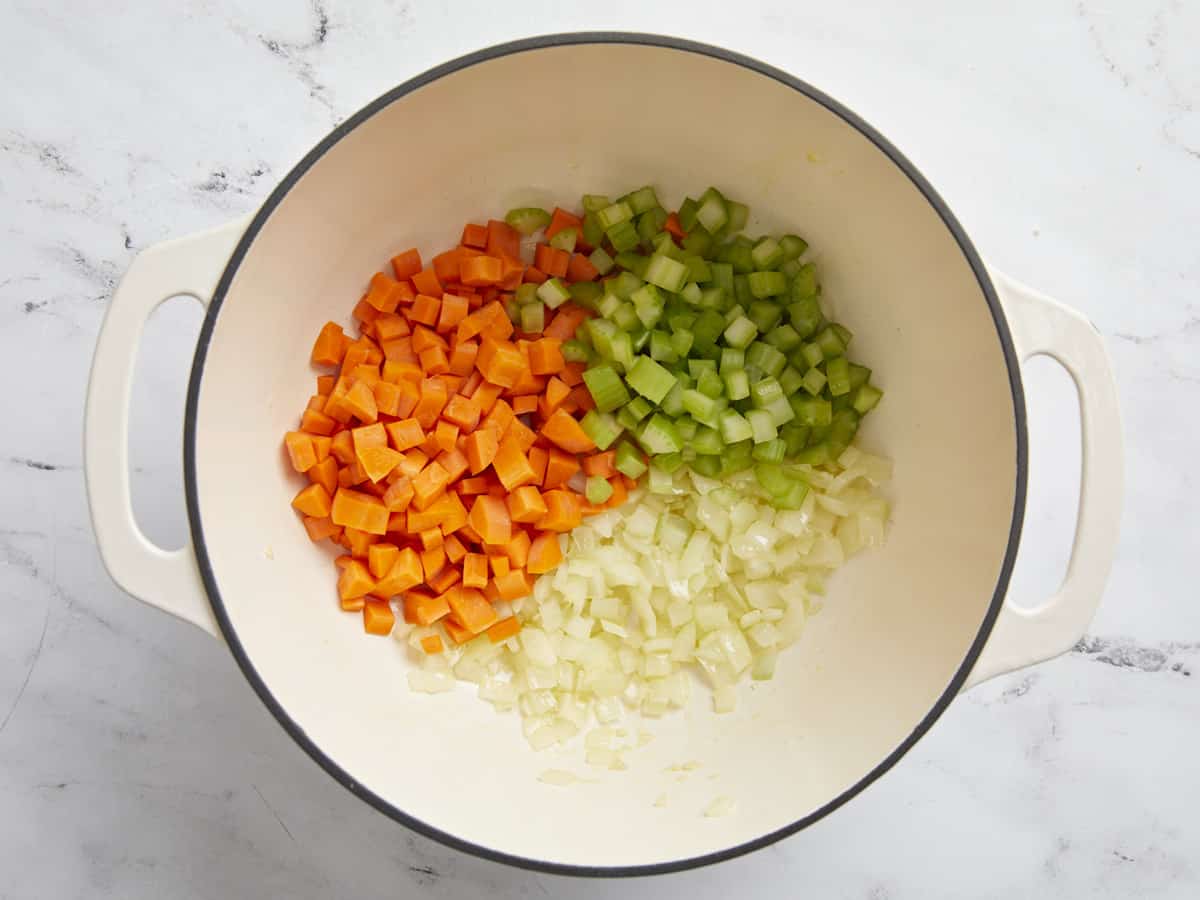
607,117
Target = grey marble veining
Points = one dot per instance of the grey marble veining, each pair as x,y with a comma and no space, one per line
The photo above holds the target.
134,759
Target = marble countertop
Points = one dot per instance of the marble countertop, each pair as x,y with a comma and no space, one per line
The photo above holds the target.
134,759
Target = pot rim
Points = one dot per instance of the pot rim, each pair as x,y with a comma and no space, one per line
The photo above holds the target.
488,54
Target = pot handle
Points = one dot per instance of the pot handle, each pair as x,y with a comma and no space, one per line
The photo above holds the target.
167,579
1021,637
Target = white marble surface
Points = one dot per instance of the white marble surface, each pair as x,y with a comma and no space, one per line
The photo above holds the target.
134,759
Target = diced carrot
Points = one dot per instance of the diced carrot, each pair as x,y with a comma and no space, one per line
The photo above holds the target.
426,282
403,574
407,264
353,509
367,436
500,362
446,265
325,384
428,484
360,401
445,434
475,570
424,609
560,467
580,268
359,542
566,320
489,517
502,238
563,430
381,557
433,400
463,412
342,447
399,350
455,551
320,528
383,293
378,462
564,511
503,629
389,326
673,227
545,356
354,581
398,495
480,271
387,398
452,311
525,504
454,461
534,275
471,486
432,561
499,417
471,609
300,450
561,219
462,357
445,579
432,643
367,373
514,585
329,347
545,553
314,422
425,309
499,563
512,466
551,260
518,549
398,372
524,437
314,501
378,617
481,447
474,236
600,464
457,633
525,404
619,495
539,458
486,395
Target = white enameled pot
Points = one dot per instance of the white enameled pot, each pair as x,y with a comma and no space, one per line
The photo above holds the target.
904,629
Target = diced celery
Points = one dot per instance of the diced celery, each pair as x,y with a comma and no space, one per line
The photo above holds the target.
764,314
830,343
650,379
660,481
790,380
712,298
632,262
767,284
837,370
741,290
815,455
708,327
739,256
761,425
642,199
793,246
658,435
681,341
859,375
734,427
702,406
773,479
712,214
709,382
722,276
737,457
764,391
866,398
843,332
770,451
622,350
811,411
765,358
527,219
681,320
593,234
574,351
533,318
513,308
553,292
565,239
625,316
805,282
606,387
602,428
597,490
740,333
585,293
625,284
601,260
698,241
739,215
696,366
707,442
667,273
526,293
628,460
737,384
651,222
691,293
686,426
732,359
623,235
767,253
780,410
708,466
793,497
805,315
698,269
687,214
784,337
668,462
661,348
614,215
594,202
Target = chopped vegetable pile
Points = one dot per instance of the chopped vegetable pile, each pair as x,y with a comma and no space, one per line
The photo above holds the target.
499,407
